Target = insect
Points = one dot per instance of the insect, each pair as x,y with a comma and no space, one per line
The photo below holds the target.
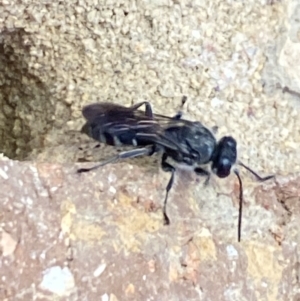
184,142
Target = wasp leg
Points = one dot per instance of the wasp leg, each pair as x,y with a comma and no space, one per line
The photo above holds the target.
147,151
178,115
202,172
167,167
148,111
258,177
215,129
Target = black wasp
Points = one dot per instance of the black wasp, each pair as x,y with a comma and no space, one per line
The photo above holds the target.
186,142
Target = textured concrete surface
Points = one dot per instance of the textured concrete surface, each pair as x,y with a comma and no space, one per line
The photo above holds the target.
99,236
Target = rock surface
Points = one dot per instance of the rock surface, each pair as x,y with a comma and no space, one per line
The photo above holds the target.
100,236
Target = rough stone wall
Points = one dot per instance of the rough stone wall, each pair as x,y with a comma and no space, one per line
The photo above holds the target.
100,236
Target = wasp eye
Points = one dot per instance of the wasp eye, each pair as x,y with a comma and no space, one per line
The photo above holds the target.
222,168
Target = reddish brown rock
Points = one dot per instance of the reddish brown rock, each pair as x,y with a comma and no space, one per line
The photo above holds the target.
92,237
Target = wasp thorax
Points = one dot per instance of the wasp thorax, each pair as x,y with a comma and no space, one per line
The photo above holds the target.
202,143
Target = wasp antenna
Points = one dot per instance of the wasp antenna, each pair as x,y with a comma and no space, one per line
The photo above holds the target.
257,176
240,204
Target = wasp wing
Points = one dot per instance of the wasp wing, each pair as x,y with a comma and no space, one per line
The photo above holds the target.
114,124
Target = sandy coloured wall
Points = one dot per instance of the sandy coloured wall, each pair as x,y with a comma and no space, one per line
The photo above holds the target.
238,65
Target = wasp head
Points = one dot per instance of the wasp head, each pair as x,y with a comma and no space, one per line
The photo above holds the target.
224,157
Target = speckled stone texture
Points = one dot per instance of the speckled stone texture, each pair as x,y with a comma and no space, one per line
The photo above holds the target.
100,236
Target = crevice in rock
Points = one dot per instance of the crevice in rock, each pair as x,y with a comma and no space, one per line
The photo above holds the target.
27,106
